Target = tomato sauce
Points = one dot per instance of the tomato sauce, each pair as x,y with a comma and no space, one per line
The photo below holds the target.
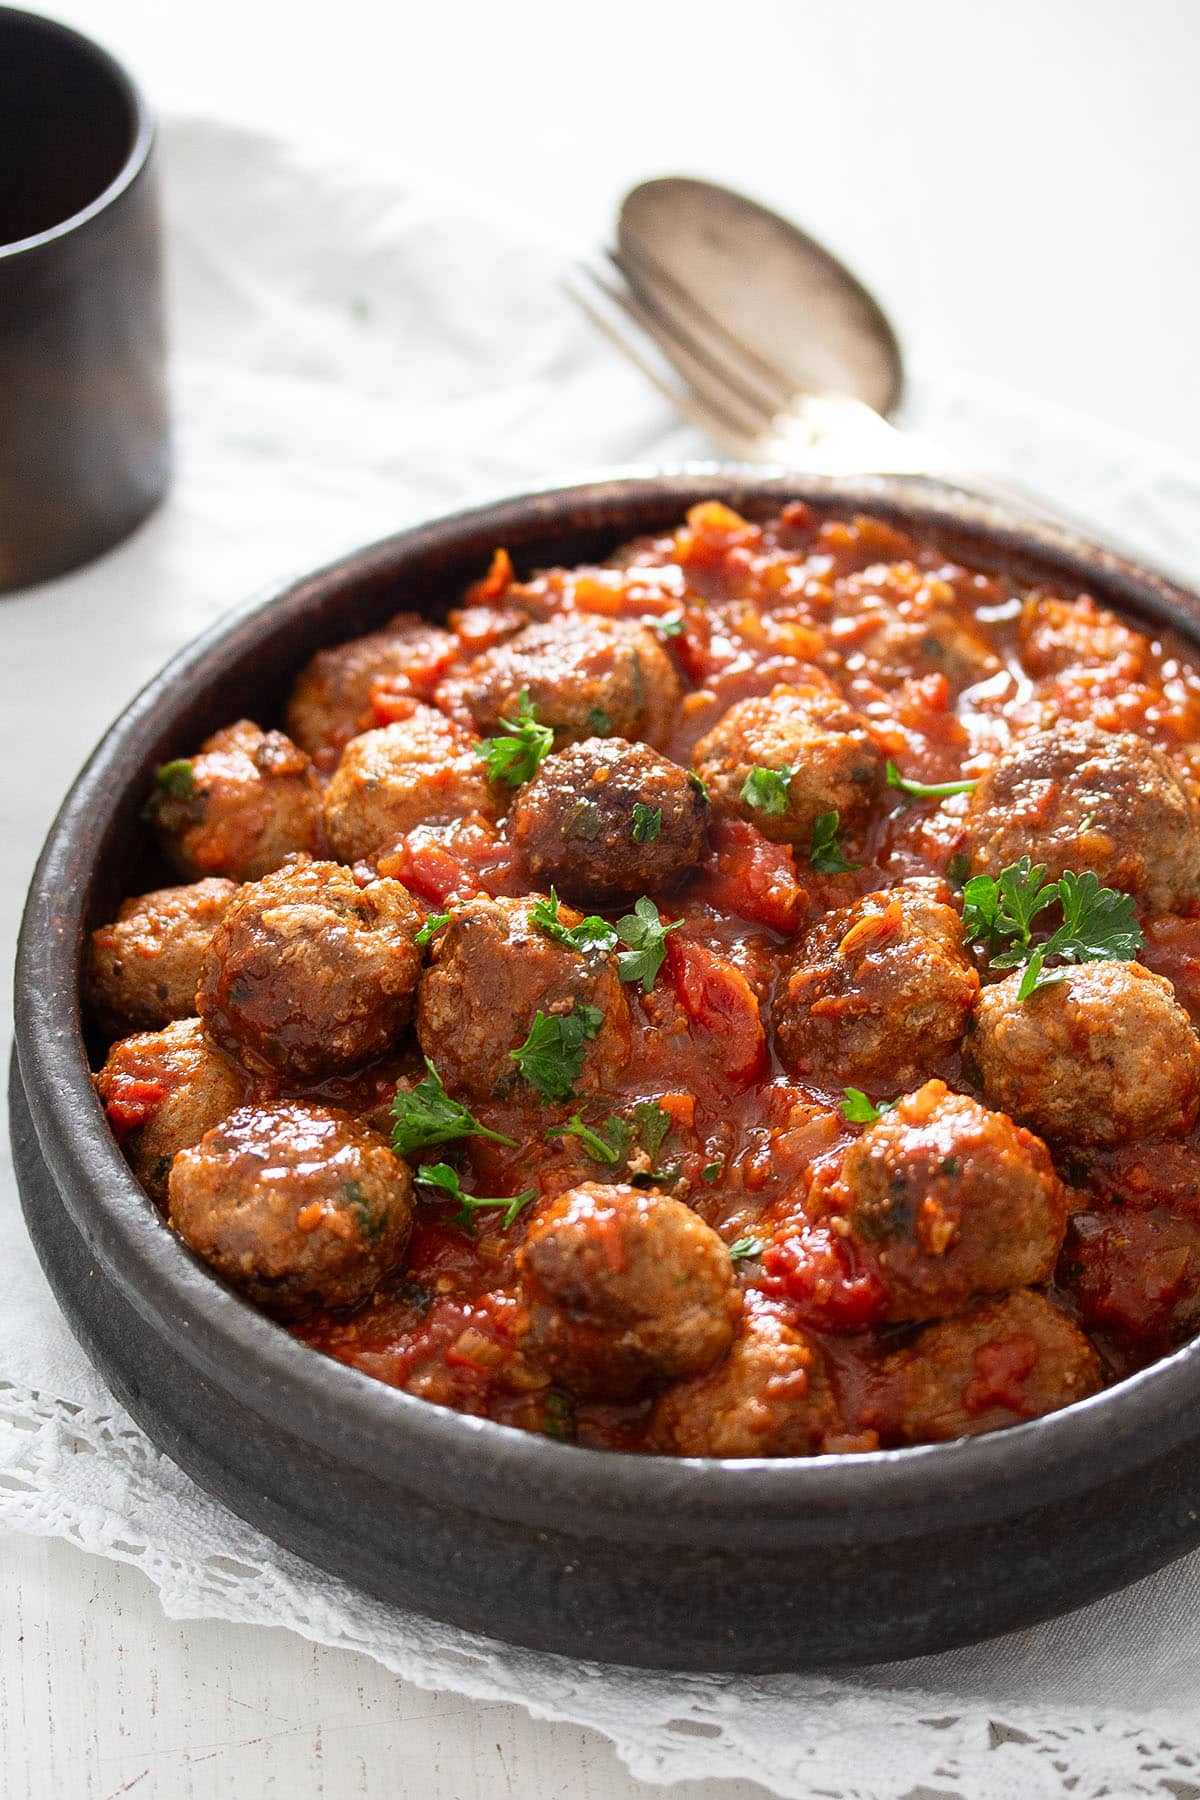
929,652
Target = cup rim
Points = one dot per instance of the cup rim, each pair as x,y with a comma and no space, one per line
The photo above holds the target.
139,150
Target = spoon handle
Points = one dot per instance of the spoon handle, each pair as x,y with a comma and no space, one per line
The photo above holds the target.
834,434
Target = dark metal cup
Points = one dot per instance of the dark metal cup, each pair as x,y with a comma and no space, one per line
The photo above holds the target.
84,449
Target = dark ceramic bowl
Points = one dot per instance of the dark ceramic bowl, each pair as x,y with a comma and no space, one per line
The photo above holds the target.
656,1561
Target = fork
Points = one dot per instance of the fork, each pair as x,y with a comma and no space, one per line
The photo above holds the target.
750,406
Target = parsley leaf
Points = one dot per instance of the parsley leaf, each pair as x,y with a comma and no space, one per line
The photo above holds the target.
178,778
710,1172
669,627
744,1247
599,722
427,1115
647,823
766,790
433,924
646,936
608,1150
1098,923
441,1175
558,1417
698,782
516,758
927,790
592,933
826,853
653,1124
860,1110
551,1058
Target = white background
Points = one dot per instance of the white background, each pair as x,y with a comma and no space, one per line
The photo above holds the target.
1018,182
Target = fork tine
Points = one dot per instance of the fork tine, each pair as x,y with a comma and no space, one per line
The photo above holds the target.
654,283
715,396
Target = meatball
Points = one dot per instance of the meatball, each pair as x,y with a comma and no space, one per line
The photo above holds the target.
769,1397
1105,1053
493,970
388,781
144,968
244,804
944,1200
296,1206
308,973
586,676
577,826
1057,634
809,733
878,991
620,1287
994,1364
331,701
161,1091
1080,798
897,622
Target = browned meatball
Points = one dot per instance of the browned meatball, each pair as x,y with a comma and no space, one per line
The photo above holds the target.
297,1206
331,701
621,1287
586,676
388,781
1059,634
144,968
607,818
809,734
493,970
897,622
1080,798
878,991
244,804
769,1397
945,1200
994,1364
1104,1054
161,1091
308,973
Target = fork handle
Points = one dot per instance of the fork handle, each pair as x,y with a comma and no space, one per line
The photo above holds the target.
834,434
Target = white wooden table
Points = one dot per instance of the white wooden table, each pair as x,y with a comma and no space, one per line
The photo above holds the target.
1018,183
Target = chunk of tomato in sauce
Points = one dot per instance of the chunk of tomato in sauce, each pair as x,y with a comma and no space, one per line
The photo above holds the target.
721,1004
745,873
820,1274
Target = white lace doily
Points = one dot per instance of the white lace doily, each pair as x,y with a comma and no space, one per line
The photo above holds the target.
333,380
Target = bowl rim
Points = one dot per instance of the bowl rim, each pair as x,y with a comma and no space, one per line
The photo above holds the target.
411,1442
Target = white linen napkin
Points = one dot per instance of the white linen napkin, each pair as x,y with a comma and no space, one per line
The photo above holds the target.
346,360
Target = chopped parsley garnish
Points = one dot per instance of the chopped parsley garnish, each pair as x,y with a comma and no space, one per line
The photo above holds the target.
766,790
1098,923
592,933
599,722
426,1115
669,627
699,783
647,823
653,1123
609,1150
516,757
551,1058
646,935
178,778
927,790
745,1247
441,1175
433,924
958,868
558,1417
826,853
372,1215
710,1172
860,1110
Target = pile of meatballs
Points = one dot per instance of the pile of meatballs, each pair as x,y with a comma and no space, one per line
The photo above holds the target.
357,909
